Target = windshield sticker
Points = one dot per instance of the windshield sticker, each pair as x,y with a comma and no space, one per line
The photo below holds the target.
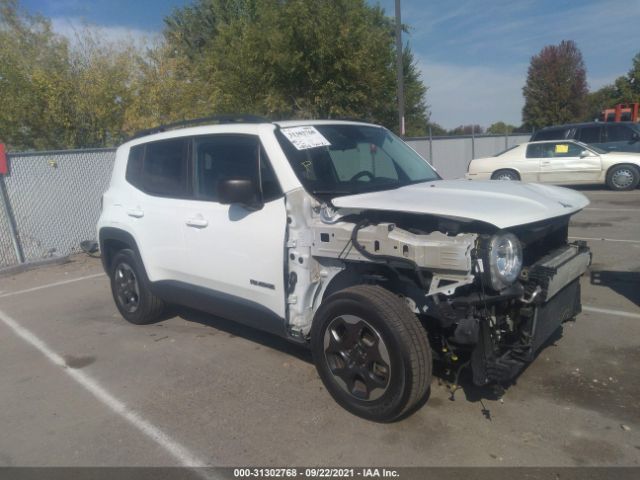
562,148
304,138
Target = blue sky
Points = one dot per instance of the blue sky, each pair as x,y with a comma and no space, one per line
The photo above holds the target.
473,54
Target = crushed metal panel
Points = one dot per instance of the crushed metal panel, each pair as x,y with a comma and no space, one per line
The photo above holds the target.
435,251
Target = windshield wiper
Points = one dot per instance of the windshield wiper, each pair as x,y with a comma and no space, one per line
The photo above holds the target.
331,192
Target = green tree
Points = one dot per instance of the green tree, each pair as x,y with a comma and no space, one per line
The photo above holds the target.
56,96
625,89
35,88
500,128
556,87
437,130
628,86
294,58
467,130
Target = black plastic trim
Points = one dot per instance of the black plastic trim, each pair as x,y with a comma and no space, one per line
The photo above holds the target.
222,305
111,233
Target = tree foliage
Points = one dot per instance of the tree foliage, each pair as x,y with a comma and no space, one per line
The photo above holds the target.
556,87
295,58
625,89
54,96
467,130
278,58
501,128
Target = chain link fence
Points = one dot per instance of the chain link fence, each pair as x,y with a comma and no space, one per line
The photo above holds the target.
53,200
50,201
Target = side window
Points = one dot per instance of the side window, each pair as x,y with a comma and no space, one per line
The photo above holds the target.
551,134
619,133
561,150
134,166
166,168
589,134
535,150
223,157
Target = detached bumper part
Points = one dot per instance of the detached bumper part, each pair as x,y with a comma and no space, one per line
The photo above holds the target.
557,276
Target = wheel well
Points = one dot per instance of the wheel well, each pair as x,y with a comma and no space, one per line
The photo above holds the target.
635,167
355,274
112,240
506,170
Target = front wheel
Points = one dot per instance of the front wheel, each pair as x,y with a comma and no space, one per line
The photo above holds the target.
623,177
371,353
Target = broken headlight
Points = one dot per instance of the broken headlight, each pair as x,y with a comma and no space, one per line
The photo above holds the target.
502,259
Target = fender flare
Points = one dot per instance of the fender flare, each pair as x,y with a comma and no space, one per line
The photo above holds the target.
122,237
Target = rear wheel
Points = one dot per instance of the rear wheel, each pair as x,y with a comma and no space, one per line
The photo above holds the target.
129,286
508,175
371,353
623,177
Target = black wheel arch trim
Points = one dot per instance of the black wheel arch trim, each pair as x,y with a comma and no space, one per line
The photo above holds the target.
118,235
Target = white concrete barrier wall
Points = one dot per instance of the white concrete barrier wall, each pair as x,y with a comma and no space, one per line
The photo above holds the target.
451,155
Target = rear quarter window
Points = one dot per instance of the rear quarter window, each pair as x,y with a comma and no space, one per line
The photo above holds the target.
166,168
134,166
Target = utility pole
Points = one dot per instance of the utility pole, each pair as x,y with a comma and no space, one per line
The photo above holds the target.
400,69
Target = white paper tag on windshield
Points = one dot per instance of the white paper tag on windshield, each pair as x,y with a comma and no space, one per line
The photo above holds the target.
304,138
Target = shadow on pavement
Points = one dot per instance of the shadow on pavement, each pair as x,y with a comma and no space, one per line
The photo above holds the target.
248,333
626,284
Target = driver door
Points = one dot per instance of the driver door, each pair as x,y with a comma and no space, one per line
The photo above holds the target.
564,162
233,252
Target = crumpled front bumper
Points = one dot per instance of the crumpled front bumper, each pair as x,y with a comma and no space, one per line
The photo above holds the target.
552,286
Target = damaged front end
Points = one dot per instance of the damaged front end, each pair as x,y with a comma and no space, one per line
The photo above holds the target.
490,298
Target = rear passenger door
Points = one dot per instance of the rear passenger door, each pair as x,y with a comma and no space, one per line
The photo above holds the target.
161,173
236,253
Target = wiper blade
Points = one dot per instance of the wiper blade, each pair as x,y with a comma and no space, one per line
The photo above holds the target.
331,192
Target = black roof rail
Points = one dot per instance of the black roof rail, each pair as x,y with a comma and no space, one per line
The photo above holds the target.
217,119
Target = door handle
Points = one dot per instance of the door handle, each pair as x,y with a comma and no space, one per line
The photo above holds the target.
135,213
546,163
197,222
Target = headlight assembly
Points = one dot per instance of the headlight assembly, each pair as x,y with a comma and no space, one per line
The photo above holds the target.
502,259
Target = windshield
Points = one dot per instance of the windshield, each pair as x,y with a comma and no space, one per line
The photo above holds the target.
333,160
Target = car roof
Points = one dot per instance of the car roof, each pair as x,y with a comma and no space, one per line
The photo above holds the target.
557,140
300,123
584,124
160,133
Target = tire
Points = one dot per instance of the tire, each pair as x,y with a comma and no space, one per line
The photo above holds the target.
129,287
509,175
623,177
381,350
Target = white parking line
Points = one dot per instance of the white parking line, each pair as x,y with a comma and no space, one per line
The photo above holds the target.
604,239
619,313
55,284
175,449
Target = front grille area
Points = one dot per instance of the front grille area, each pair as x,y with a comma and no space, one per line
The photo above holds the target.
539,239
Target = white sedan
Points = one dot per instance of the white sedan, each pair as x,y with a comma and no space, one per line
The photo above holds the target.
562,162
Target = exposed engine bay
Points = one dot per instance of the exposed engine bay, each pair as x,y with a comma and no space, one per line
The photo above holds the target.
488,298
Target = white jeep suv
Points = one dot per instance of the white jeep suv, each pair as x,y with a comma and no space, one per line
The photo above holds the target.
338,235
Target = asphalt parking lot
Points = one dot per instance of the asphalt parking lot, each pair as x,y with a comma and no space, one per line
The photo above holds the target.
81,387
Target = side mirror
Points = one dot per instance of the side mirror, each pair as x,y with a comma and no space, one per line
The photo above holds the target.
585,153
635,137
240,191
